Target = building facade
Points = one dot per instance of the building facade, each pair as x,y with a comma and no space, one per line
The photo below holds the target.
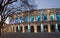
42,20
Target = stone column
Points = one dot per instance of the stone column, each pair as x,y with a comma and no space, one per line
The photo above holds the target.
56,27
49,28
42,29
34,18
35,28
18,27
23,29
55,15
11,28
14,28
28,28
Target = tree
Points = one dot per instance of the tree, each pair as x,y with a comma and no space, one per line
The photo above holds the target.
9,7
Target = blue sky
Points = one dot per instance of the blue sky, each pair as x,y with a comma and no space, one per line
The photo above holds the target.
42,4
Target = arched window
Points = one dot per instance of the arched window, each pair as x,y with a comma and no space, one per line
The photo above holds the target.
25,19
58,16
16,20
32,19
52,16
21,19
37,18
44,17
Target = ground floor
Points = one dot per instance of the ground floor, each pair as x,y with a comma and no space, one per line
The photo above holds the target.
32,27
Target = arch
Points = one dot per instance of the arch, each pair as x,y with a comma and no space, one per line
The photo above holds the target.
26,28
16,29
45,28
21,19
16,20
44,17
38,18
52,14
58,16
32,19
26,19
59,27
32,29
38,28
21,29
52,28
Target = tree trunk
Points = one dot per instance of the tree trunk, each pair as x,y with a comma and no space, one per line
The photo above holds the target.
1,24
0,31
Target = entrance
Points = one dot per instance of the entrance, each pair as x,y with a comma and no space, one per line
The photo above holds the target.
38,28
45,28
59,28
20,28
52,28
32,28
26,28
16,29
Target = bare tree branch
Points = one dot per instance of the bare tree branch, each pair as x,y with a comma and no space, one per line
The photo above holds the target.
10,2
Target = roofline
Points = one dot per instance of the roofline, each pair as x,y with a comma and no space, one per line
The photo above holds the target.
47,8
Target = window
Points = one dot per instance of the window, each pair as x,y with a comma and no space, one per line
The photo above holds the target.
52,14
32,19
37,18
26,19
58,16
52,17
16,20
20,19
44,17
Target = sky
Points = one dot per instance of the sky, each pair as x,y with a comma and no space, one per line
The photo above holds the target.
45,4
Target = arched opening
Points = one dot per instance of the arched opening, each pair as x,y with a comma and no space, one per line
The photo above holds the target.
20,28
38,18
59,28
32,19
20,19
16,20
58,16
26,19
32,28
45,28
52,14
44,17
38,28
26,28
52,28
16,29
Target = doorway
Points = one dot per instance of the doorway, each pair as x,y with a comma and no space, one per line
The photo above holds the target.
45,28
52,28
16,29
32,28
26,28
38,28
21,29
59,28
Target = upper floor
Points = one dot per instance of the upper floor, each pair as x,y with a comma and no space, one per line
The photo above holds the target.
36,15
